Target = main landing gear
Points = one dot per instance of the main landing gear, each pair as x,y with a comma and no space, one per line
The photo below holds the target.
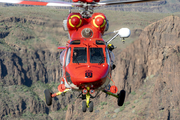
49,95
86,94
120,97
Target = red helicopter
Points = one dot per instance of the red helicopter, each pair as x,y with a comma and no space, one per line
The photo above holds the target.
87,60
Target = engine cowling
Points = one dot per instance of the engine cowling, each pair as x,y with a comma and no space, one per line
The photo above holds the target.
74,21
99,21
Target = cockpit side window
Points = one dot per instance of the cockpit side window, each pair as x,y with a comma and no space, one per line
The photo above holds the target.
80,55
62,53
96,55
107,57
68,56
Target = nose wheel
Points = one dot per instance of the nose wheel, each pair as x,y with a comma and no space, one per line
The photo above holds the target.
91,106
87,104
84,107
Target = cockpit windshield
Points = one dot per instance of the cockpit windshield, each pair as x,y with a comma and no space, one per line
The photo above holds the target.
80,55
96,55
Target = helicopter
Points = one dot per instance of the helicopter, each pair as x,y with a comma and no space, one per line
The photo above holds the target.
87,59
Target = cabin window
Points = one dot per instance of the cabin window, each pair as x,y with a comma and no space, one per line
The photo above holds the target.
80,55
96,55
68,56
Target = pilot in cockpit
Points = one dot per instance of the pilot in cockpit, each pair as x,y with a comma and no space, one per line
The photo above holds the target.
79,55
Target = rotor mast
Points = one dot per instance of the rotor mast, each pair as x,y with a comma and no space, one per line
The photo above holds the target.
86,10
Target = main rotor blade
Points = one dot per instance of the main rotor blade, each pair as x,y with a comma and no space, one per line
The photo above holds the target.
123,2
61,4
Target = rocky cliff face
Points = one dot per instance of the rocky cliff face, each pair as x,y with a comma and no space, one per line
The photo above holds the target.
147,55
28,66
154,55
23,74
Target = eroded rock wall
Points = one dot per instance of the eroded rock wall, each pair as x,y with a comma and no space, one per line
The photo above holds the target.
156,53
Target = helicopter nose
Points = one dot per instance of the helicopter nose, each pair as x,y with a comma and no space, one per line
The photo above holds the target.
86,75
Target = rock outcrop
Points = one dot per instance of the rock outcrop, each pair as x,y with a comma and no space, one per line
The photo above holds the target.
27,67
156,53
26,70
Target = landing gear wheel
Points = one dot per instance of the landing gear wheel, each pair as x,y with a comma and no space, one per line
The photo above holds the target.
91,106
121,97
48,97
84,106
